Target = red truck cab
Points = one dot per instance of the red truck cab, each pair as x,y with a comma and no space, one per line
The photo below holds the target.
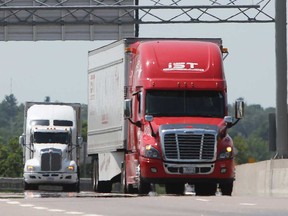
176,104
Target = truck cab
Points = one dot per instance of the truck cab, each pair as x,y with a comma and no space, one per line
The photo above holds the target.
50,147
178,114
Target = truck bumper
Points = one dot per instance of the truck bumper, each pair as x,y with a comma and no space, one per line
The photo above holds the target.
50,178
157,171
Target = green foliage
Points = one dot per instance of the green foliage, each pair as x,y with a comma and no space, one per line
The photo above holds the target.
251,136
11,118
241,147
11,159
251,149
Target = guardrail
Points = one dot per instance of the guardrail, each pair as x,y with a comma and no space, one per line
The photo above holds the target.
16,184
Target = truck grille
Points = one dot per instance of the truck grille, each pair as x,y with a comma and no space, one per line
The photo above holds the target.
189,146
51,159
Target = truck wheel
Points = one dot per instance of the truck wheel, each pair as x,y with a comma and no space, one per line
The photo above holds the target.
100,186
126,188
77,187
72,187
131,189
205,189
123,178
226,188
95,174
104,186
143,187
30,186
177,188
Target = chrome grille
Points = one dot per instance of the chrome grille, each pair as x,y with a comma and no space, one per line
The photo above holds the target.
51,159
189,146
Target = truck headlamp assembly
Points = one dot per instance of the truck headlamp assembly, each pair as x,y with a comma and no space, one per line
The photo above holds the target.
227,153
150,152
30,168
70,168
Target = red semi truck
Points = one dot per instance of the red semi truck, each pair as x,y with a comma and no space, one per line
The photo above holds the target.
158,114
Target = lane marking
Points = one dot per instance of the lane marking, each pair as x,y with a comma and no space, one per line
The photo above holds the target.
203,200
53,210
247,204
56,210
92,215
74,213
13,202
26,205
40,208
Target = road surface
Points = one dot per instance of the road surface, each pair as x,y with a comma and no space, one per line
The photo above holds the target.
92,204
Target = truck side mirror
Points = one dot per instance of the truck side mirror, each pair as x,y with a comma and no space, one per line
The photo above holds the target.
239,109
21,140
127,108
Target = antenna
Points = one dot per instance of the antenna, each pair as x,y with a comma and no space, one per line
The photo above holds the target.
11,85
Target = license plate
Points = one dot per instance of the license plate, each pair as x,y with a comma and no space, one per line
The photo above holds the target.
189,170
50,179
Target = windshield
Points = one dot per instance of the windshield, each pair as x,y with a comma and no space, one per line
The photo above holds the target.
185,103
44,137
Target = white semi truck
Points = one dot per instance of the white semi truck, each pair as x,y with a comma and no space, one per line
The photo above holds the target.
51,143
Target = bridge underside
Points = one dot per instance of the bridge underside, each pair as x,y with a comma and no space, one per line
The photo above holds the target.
34,20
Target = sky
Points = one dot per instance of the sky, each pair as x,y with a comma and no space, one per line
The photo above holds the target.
58,69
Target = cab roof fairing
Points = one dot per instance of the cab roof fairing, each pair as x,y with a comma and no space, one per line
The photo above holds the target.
179,64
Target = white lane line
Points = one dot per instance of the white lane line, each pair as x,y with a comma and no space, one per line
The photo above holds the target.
203,200
55,210
74,213
13,202
58,210
92,215
26,205
247,204
40,208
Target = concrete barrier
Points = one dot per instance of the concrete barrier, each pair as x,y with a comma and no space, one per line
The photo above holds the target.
266,178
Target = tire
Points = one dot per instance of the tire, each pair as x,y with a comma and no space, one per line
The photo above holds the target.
94,175
131,189
205,189
143,187
104,187
177,188
124,188
226,188
72,187
77,187
99,186
30,186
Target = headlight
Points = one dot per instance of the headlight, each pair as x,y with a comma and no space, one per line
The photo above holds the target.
71,168
150,152
227,153
30,168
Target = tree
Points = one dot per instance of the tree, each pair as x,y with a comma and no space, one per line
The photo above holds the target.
11,164
241,150
47,99
8,113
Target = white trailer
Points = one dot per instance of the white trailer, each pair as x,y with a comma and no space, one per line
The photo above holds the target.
51,143
107,128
